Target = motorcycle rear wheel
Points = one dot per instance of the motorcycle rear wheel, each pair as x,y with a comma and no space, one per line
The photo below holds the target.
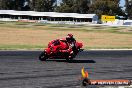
43,56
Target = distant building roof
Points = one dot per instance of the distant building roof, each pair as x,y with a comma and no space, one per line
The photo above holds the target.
50,14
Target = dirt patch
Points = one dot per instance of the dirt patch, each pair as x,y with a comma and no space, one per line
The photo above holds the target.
126,30
41,36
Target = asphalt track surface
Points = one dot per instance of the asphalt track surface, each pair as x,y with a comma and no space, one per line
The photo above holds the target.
22,69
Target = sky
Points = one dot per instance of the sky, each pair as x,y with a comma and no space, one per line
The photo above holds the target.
122,3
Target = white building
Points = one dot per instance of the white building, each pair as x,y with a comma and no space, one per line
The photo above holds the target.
47,16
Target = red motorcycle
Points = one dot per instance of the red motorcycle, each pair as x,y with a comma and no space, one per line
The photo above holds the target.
54,47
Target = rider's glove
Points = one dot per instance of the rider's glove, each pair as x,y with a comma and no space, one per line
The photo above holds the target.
71,52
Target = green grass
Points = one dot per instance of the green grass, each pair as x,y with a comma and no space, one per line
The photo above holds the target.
23,47
41,47
64,27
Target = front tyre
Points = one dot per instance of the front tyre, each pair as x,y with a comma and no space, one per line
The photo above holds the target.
43,56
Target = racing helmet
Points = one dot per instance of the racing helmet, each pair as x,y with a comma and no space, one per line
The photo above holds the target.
69,37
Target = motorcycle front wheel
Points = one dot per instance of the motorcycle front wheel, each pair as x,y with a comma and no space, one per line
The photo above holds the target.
43,56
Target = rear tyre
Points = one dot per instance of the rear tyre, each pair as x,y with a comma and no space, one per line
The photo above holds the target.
43,56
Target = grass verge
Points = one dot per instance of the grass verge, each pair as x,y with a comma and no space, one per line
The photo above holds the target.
21,47
29,36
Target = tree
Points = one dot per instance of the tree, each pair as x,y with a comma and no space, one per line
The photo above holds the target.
1,4
10,4
42,5
106,7
129,8
32,5
76,6
5,4
15,4
81,6
66,6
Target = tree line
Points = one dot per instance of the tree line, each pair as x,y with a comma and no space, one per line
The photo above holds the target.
128,5
105,7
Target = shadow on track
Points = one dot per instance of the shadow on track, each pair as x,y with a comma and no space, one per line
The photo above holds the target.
82,61
74,61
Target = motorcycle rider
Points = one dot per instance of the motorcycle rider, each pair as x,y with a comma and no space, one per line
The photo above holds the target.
68,44
70,41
